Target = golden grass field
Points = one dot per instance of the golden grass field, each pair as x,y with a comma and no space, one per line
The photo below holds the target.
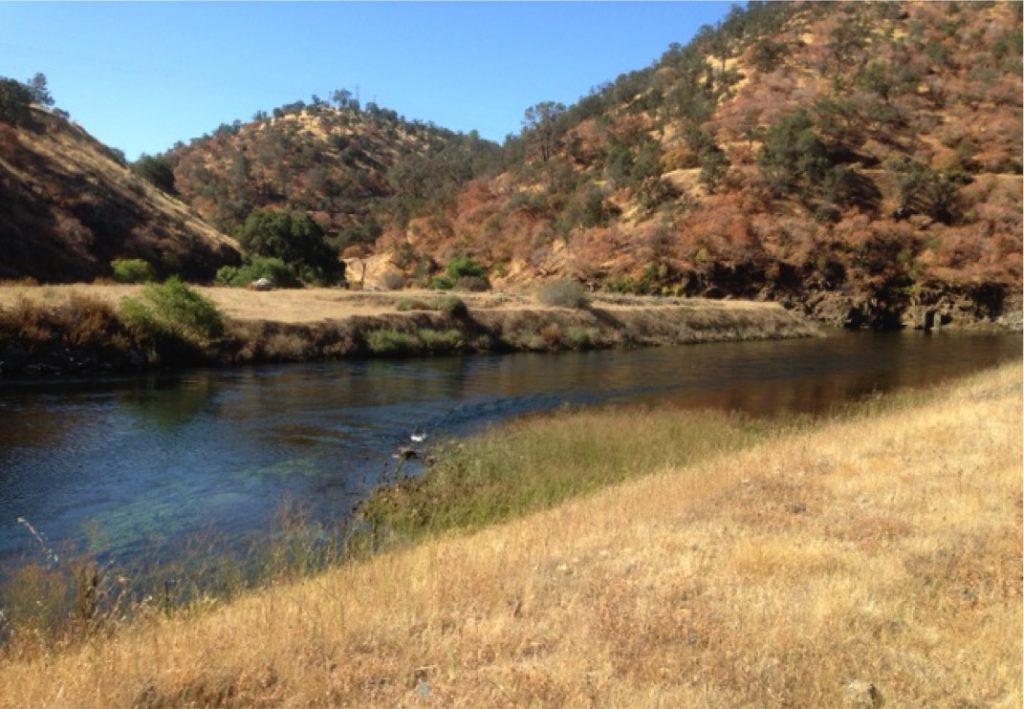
876,557
308,305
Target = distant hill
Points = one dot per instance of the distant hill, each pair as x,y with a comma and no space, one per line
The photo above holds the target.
859,160
70,205
353,169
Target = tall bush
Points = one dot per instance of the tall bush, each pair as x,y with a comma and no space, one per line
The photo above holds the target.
563,292
464,266
132,270
172,310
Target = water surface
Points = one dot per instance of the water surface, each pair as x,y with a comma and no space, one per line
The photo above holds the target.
128,466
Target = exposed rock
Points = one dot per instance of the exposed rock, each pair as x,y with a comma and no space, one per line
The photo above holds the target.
1012,318
835,309
406,454
922,317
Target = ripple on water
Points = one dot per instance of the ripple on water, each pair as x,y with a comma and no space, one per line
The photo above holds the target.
127,465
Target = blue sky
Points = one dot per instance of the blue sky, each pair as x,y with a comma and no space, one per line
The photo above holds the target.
140,76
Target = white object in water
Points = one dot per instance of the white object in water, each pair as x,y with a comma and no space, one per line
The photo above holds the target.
418,436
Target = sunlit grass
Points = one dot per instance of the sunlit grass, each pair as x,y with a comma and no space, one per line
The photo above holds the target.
773,564
536,462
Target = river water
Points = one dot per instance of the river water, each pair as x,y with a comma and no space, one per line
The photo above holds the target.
124,467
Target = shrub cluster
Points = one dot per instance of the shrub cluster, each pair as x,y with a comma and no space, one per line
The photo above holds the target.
256,267
563,292
447,304
172,310
391,342
440,341
442,282
462,273
132,270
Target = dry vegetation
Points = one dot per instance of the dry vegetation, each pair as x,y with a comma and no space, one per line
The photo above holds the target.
71,206
79,327
880,549
309,305
670,180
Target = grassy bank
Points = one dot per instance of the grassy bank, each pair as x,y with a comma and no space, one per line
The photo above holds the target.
57,329
535,463
875,555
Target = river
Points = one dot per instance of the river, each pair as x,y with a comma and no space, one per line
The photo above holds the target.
127,467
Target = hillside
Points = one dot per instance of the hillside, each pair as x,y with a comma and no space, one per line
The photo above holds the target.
351,168
71,205
859,161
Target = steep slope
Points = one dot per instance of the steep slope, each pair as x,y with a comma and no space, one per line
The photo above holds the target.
860,161
70,206
351,168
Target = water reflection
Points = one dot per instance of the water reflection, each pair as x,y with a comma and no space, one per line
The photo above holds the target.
170,402
123,465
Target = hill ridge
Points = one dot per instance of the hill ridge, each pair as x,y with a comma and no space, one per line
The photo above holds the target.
73,207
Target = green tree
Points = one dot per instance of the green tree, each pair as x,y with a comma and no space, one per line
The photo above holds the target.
542,124
690,101
927,191
845,186
40,93
619,161
768,54
342,98
714,166
294,238
847,42
434,177
793,159
15,99
647,163
156,169
887,80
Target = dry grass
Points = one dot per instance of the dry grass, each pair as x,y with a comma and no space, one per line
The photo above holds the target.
321,323
37,335
308,305
79,321
882,548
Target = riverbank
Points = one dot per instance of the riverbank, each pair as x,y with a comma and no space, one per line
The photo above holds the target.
874,557
65,329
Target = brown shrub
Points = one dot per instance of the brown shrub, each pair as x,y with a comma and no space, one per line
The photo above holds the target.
88,322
